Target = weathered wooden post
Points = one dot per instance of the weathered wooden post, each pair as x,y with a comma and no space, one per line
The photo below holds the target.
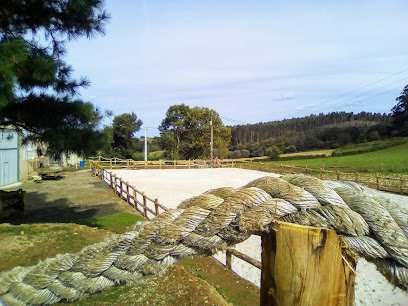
110,163
127,193
377,181
156,207
337,175
401,185
228,259
303,265
144,205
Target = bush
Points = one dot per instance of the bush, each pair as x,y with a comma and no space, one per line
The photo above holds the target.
245,153
257,152
235,154
273,152
290,149
156,155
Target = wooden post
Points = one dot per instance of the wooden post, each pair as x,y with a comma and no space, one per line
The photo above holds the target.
232,165
127,164
127,193
377,181
160,163
228,259
260,166
401,185
189,164
337,175
321,173
356,177
281,168
156,207
316,274
144,205
110,163
174,163
134,198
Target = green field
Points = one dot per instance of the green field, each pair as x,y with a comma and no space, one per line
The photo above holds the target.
387,161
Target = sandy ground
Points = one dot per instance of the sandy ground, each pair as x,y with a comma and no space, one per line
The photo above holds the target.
173,186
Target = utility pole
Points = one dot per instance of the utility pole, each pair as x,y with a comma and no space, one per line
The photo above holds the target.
145,144
212,141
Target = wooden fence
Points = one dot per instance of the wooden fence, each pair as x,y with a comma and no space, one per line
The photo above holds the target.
145,205
233,252
117,163
396,184
149,207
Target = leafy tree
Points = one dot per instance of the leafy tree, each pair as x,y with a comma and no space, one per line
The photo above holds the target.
124,143
399,122
185,133
37,92
273,152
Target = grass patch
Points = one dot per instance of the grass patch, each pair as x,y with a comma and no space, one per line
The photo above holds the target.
369,146
388,161
27,244
117,222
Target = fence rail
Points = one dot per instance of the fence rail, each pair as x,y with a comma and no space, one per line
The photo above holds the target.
396,184
145,205
233,252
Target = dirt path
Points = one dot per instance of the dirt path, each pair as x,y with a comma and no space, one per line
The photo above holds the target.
75,196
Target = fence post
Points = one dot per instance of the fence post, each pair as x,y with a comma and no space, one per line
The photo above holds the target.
401,185
189,164
260,166
321,173
228,259
156,206
160,163
144,204
112,177
110,163
232,165
330,282
121,188
127,193
356,177
134,198
377,181
338,175
127,164
281,168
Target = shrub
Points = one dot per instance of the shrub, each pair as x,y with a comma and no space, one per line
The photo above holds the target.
273,152
290,149
235,154
245,153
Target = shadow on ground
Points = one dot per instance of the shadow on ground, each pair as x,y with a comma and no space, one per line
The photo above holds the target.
58,211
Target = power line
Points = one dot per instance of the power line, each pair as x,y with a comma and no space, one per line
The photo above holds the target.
366,93
362,87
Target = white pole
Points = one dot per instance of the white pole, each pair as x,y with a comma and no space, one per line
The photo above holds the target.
212,142
145,145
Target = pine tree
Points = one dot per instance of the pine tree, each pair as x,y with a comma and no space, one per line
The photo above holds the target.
37,92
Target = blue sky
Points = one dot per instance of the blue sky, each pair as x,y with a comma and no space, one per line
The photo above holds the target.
253,61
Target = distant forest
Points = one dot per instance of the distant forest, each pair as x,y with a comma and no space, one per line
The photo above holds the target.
320,131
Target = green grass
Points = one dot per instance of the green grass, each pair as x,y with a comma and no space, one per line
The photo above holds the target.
387,161
117,222
369,146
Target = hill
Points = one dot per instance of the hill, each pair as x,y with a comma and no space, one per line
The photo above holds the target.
314,132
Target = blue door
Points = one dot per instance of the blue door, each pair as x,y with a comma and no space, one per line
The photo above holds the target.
9,160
